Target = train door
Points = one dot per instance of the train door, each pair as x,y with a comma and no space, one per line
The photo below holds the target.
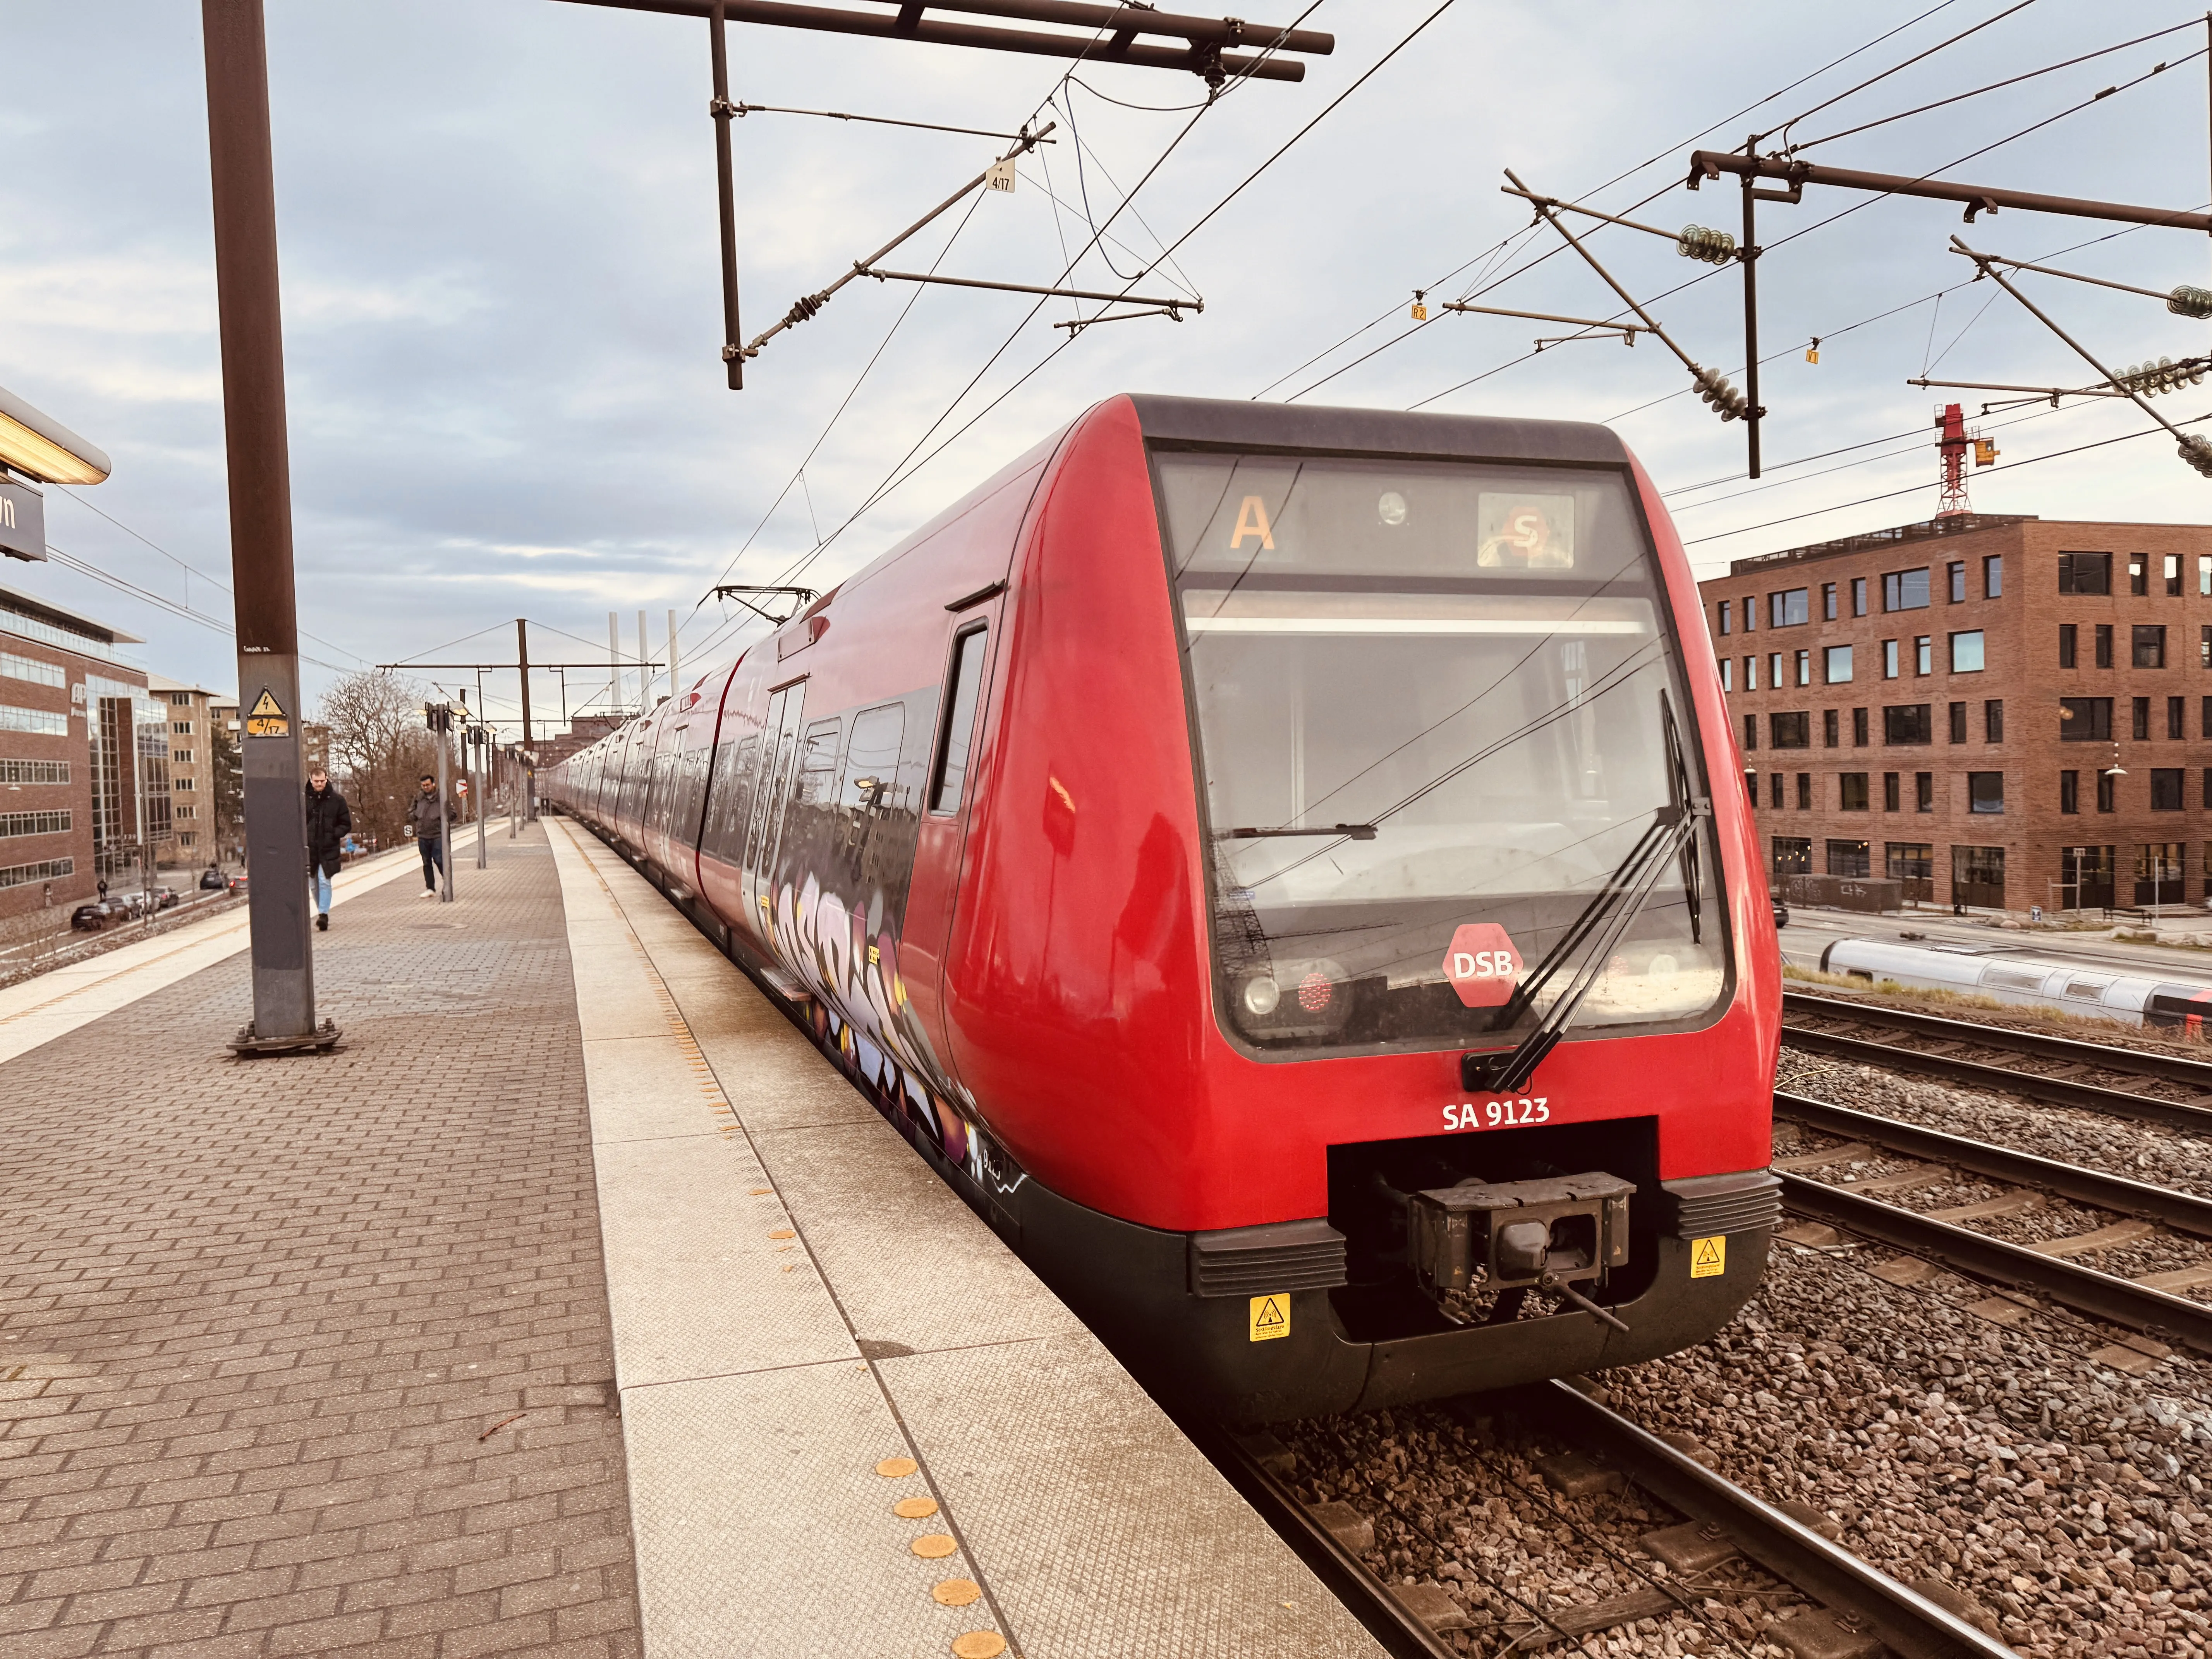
778,749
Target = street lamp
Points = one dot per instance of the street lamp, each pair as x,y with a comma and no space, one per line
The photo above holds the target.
39,447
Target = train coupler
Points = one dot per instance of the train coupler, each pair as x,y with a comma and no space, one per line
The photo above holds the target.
1550,1234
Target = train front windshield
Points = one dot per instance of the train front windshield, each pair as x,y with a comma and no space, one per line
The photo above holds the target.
1437,706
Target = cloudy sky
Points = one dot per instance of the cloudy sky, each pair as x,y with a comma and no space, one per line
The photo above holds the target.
503,299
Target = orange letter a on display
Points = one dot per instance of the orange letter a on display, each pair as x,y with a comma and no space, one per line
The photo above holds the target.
1252,520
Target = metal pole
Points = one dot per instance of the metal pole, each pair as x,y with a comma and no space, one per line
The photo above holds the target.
445,824
673,687
481,789
613,657
1749,253
529,772
644,673
259,467
733,352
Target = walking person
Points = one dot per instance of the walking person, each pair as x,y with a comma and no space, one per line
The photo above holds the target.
428,815
329,822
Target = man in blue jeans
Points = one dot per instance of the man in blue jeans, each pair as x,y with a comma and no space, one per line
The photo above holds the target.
329,822
428,815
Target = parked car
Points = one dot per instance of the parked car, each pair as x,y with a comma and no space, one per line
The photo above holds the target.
237,884
98,915
1781,913
166,898
212,880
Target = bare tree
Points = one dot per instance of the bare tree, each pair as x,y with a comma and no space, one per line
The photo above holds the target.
379,748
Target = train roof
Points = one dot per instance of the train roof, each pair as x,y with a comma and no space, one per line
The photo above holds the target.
1243,424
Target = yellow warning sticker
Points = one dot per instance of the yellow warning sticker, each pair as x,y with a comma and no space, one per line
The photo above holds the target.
1271,1317
1708,1257
267,718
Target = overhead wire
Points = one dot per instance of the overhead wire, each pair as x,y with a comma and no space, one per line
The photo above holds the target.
1922,57
161,602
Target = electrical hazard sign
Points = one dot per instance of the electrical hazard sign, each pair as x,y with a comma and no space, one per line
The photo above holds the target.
1708,1257
1271,1317
267,718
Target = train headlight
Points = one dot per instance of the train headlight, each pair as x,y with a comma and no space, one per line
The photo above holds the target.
1390,508
1315,992
1263,995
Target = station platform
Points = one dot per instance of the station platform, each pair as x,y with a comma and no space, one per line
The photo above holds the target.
574,1305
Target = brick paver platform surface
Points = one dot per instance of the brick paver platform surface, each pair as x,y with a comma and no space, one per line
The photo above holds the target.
312,1356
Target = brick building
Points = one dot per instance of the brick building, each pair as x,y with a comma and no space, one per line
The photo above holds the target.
83,761
194,733
2000,711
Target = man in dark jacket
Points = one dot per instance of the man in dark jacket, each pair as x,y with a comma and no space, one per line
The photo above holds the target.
329,822
428,816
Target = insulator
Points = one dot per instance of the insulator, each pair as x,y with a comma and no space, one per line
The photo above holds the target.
2197,451
2187,301
1714,247
1720,396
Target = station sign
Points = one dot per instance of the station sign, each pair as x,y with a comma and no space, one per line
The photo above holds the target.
22,519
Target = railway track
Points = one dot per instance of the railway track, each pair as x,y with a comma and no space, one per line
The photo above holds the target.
1860,1607
2165,1089
2147,1302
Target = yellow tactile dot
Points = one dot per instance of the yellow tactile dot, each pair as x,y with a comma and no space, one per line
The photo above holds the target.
956,1592
914,1509
761,1192
979,1644
783,1232
892,1468
933,1546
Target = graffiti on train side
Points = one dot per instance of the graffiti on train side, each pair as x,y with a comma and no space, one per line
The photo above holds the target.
848,957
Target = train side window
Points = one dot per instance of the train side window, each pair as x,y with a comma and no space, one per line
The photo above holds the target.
817,765
949,776
2091,988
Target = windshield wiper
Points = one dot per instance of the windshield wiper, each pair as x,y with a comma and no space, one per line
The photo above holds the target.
1353,831
1602,923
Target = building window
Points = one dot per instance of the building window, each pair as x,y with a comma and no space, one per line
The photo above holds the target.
1751,786
2173,574
2204,574
182,728
1789,730
2069,637
1985,791
2166,789
1909,722
2177,718
1905,590
2158,873
1912,863
1956,570
1924,792
2208,787
2141,729
1858,728
1837,664
1924,655
1828,601
1830,735
1751,673
1958,722
1774,680
1993,576
2138,574
1858,596
180,757
1853,791
1848,858
184,786
1889,659
1728,618
2069,790
1728,673
2148,646
1776,782
1751,731
1750,615
1966,653
12,667
35,823
1793,855
1892,797
183,812
1978,876
43,722
2085,573
24,771
180,699
2108,790
2104,645
1804,668
1804,791
21,875
1788,608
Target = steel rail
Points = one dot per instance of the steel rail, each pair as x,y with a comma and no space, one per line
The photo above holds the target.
2183,1211
2174,1068
1388,1620
2100,1296
1913,1627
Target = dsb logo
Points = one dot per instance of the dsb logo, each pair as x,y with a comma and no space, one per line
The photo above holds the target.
1482,965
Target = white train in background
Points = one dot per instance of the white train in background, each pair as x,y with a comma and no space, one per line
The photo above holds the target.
2074,987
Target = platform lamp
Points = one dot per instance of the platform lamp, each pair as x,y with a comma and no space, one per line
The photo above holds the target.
37,449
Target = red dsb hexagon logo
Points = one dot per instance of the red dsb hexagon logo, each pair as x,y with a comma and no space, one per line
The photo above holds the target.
1482,965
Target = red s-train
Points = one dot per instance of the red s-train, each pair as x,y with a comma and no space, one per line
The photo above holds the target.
1200,839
